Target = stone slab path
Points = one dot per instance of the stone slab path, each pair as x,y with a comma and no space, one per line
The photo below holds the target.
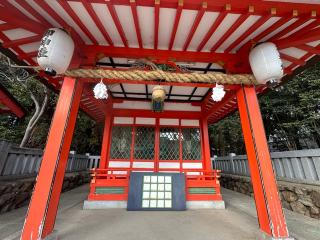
238,221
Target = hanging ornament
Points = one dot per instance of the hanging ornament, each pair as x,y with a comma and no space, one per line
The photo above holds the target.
158,96
100,91
218,93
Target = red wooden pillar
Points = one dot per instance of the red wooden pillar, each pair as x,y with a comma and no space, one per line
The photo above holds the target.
45,198
268,205
105,149
206,144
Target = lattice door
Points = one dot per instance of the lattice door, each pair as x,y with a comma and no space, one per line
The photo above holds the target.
121,142
169,144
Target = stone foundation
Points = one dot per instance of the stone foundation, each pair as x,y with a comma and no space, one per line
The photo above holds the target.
16,193
300,198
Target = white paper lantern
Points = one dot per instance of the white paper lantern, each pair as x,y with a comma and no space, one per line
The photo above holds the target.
100,91
266,63
55,51
218,93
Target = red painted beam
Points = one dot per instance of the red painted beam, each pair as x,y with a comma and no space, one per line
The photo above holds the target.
7,100
28,55
117,22
176,23
195,25
133,6
46,7
230,96
231,30
65,5
212,29
292,59
97,21
91,52
21,41
156,23
248,32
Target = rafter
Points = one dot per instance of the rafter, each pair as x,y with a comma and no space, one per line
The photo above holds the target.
292,59
34,13
133,6
310,49
195,25
212,29
156,22
19,20
65,5
292,41
266,32
248,32
231,30
97,21
46,7
290,28
21,41
176,23
116,21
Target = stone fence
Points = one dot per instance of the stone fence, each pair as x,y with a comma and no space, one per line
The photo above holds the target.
18,170
16,162
291,165
297,175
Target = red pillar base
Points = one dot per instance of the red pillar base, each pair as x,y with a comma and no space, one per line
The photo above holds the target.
268,205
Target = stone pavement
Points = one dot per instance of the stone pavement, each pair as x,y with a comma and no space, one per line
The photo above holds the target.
238,221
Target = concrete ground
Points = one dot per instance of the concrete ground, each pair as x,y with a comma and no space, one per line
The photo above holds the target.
238,221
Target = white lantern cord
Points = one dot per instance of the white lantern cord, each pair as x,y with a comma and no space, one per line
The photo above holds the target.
218,93
100,91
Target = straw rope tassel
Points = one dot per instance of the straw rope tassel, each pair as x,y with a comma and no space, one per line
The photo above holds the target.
138,75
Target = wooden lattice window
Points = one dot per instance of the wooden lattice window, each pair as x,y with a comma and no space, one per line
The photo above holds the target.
121,142
191,145
144,143
169,144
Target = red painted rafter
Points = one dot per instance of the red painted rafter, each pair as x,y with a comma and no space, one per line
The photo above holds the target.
6,26
16,49
292,59
34,13
195,25
133,6
304,58
97,21
12,105
212,29
28,55
266,32
116,21
249,31
156,23
46,7
77,20
290,28
21,41
176,23
310,49
13,16
296,40
231,30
